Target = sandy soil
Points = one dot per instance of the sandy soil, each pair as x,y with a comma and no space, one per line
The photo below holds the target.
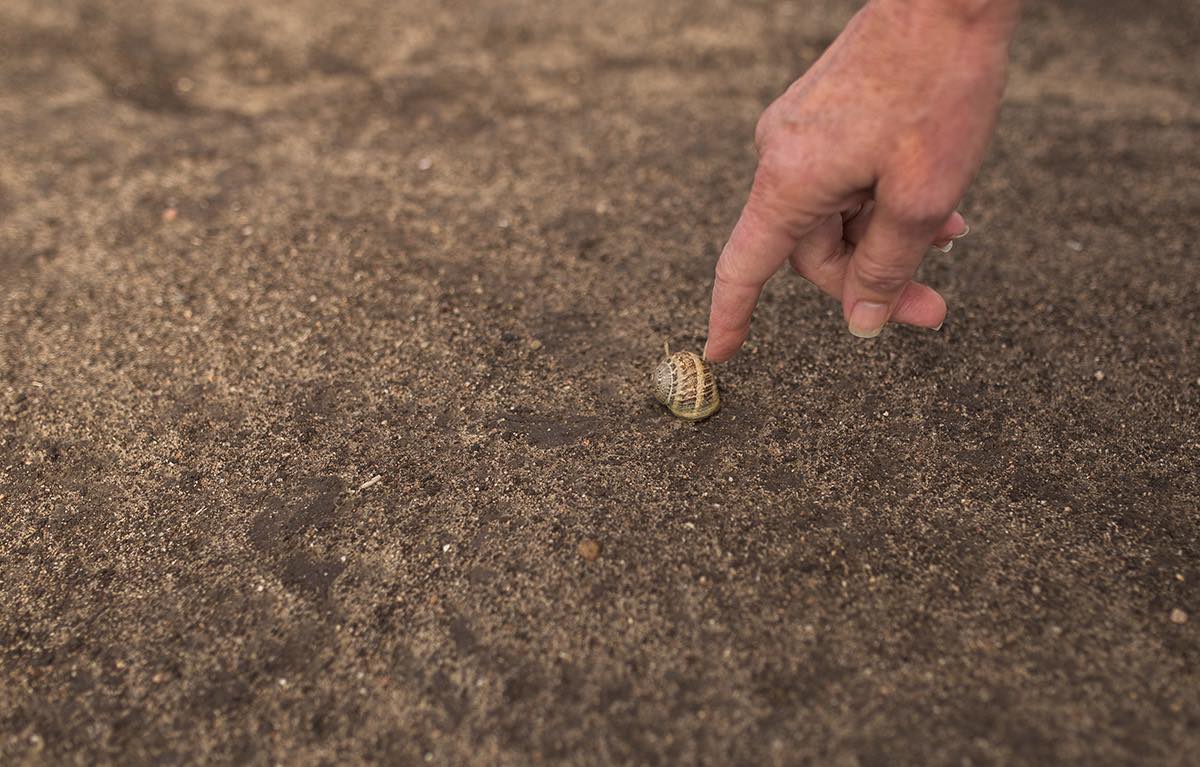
255,256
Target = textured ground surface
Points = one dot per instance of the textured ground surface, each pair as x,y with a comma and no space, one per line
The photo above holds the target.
253,256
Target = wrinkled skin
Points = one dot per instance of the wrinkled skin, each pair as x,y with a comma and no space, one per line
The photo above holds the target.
863,161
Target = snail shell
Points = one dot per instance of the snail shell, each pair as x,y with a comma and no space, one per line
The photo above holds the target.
685,383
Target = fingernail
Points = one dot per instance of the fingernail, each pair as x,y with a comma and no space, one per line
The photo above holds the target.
939,326
867,318
947,247
965,232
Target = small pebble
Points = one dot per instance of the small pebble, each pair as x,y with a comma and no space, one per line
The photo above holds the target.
535,344
1098,375
425,163
169,215
1179,616
589,549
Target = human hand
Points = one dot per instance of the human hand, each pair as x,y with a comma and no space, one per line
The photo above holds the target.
862,162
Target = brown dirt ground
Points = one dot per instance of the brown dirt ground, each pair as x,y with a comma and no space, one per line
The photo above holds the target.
255,255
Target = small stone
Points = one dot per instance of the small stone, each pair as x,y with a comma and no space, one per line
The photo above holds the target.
160,677
1098,375
425,163
535,344
169,215
1179,616
589,549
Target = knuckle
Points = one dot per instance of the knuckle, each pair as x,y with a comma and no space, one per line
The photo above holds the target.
765,128
922,214
780,175
881,276
723,273
922,209
731,273
762,129
772,192
767,179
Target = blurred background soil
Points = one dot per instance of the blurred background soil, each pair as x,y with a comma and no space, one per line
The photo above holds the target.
326,434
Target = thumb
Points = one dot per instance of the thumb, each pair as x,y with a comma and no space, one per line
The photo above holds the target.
882,267
760,243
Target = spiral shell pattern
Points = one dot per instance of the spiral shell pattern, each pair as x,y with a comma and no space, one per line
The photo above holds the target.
685,383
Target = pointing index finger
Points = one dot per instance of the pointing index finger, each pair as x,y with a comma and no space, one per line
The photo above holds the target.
759,245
